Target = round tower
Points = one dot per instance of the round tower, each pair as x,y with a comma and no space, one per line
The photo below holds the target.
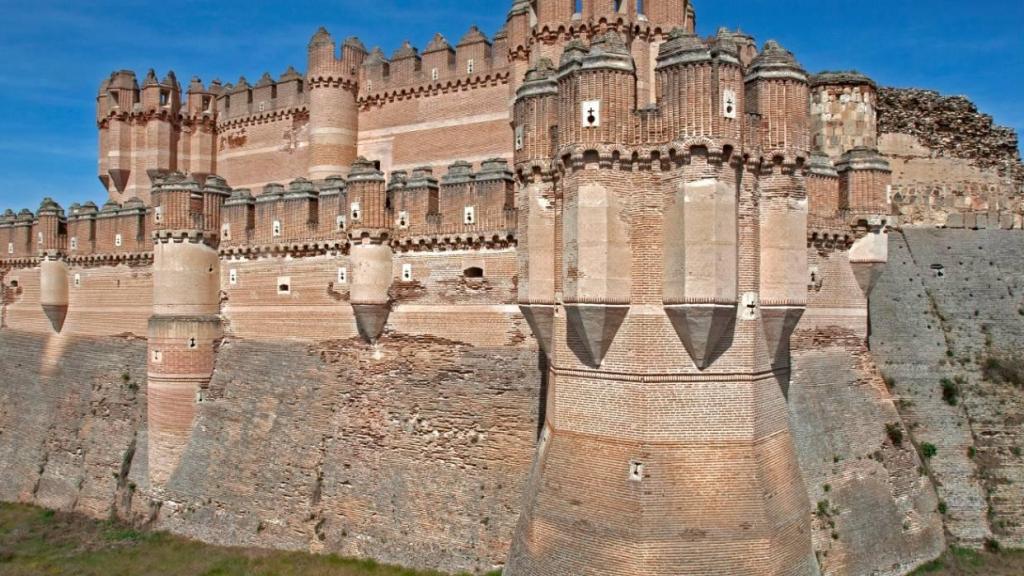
843,112
333,111
185,325
597,100
370,253
777,88
53,269
535,114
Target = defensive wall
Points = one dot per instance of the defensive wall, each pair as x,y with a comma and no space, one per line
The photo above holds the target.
273,396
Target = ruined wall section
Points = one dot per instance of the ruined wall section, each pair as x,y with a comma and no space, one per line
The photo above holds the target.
952,166
947,301
424,469
71,414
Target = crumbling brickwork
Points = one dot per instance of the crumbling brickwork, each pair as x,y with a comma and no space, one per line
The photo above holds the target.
950,126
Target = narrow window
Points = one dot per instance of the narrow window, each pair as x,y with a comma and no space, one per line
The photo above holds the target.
639,6
10,247
355,211
192,343
277,227
470,66
74,243
519,137
40,238
284,285
225,231
403,219
78,280
579,6
117,240
233,277
469,215
114,100
473,272
406,272
434,74
263,106
341,222
636,471
207,103
158,215
342,275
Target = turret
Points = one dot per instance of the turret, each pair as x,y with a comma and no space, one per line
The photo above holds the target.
369,227
333,112
777,93
597,94
702,91
51,238
185,325
864,181
534,116
669,14
843,113
596,104
115,103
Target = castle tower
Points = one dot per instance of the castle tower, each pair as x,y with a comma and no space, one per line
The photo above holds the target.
185,325
197,147
702,96
333,111
536,110
114,107
665,448
843,113
777,90
864,180
370,254
53,269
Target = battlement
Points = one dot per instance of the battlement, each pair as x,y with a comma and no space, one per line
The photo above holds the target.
441,65
268,97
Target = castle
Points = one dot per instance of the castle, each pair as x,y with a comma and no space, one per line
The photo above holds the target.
559,282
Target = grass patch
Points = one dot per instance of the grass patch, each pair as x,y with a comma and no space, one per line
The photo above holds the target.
1004,369
967,562
36,542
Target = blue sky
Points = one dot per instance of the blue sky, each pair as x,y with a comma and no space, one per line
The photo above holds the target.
56,52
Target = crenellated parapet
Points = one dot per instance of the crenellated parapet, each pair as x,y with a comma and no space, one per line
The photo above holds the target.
474,61
243,103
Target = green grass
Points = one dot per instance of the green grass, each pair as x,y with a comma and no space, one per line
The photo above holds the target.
37,542
966,562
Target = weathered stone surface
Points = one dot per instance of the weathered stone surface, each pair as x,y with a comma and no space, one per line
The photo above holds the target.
927,327
412,452
70,412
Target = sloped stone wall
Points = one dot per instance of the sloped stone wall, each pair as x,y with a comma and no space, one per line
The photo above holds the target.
948,300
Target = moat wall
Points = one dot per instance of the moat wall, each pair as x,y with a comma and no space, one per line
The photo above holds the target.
416,451
948,301
412,452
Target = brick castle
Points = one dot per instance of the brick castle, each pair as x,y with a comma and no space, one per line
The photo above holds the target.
651,218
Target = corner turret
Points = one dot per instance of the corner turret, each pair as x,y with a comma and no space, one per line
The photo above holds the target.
333,112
